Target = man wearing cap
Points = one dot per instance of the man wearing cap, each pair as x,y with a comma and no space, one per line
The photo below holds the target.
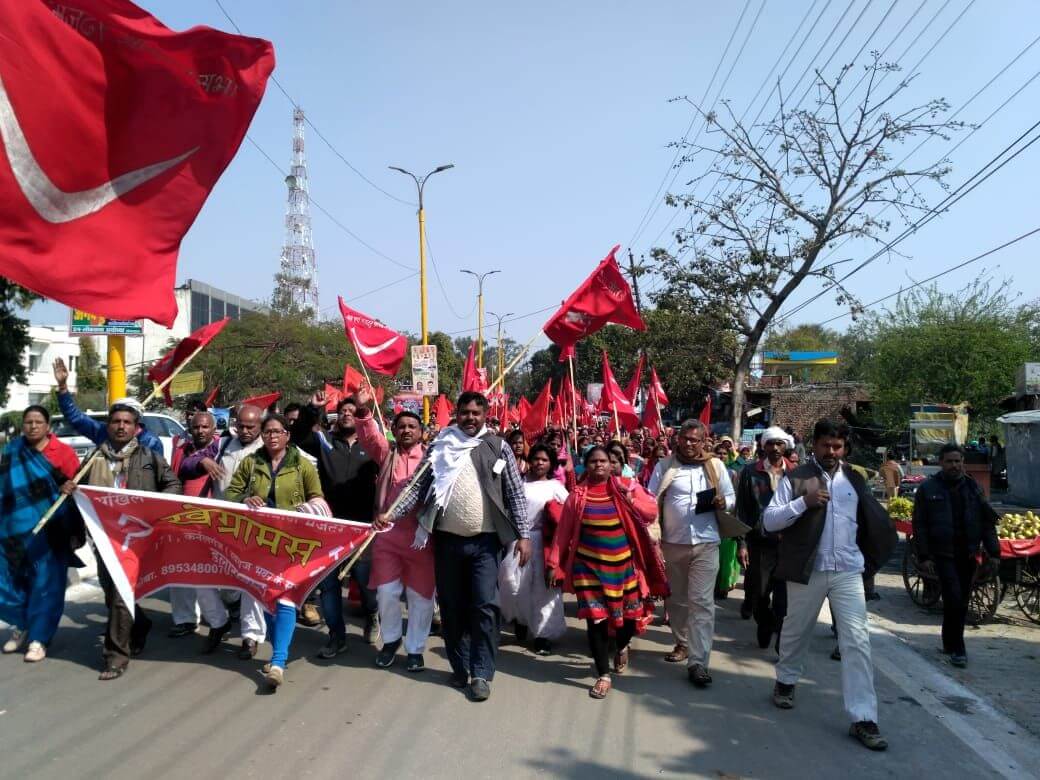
764,597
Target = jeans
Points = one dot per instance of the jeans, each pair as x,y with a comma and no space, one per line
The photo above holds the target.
692,570
955,576
467,589
281,628
844,590
332,597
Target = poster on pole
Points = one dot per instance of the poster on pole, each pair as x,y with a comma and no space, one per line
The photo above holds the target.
424,369
83,323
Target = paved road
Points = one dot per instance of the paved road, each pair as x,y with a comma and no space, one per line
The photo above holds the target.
176,714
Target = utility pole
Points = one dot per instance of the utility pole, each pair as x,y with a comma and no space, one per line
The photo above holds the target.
634,272
480,310
501,351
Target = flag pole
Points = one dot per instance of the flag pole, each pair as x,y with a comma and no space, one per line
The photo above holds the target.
368,381
156,389
513,363
574,402
617,423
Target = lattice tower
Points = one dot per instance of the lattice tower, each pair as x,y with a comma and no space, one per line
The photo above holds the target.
296,286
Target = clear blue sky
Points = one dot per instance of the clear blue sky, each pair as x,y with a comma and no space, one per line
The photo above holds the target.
557,118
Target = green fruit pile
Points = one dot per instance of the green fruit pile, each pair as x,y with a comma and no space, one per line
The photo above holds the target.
1016,526
900,508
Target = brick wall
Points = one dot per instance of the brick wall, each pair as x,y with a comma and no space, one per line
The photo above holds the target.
800,406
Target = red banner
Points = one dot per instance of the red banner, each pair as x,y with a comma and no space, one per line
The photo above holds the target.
150,541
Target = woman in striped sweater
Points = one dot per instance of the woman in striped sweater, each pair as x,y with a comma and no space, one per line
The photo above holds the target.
602,552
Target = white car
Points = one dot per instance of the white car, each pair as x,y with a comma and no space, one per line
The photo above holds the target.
160,425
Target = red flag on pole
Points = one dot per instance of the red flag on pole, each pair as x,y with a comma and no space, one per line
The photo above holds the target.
473,378
378,347
442,411
632,390
656,388
613,401
332,397
652,415
260,401
603,298
533,423
165,366
212,397
107,168
568,353
352,379
705,415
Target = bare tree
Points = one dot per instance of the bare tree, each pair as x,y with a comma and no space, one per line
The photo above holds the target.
814,177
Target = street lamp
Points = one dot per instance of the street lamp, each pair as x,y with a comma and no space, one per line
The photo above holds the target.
420,181
480,311
501,352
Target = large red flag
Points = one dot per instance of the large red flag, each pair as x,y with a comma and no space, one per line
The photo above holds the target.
473,378
632,390
442,411
705,415
603,298
656,388
614,400
378,347
652,415
260,401
533,423
164,367
105,169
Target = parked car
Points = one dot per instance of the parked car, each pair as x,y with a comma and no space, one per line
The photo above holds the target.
161,425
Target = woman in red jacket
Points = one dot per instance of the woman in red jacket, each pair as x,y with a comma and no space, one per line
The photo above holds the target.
602,552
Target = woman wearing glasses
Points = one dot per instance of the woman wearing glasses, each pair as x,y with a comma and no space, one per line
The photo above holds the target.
278,476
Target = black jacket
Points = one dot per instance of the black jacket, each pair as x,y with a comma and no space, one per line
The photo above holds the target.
934,522
875,534
348,475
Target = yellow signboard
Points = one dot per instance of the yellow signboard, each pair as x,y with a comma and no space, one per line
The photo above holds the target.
188,382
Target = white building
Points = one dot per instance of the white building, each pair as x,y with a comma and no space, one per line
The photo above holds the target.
48,342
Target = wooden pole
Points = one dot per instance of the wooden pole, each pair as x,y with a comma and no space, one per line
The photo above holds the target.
574,401
513,363
368,380
617,424
156,389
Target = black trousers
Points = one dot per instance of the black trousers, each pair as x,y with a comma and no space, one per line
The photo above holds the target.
955,576
466,571
599,642
122,631
765,597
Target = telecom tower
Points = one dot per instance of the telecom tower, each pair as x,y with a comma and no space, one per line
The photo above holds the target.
296,283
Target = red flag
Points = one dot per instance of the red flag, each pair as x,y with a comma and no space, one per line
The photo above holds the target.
473,378
614,400
656,388
260,401
533,423
442,411
352,379
107,168
523,406
568,353
378,347
164,367
602,298
332,397
632,390
652,415
212,397
147,546
705,415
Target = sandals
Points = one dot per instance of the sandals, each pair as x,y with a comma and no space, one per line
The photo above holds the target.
112,673
601,688
621,661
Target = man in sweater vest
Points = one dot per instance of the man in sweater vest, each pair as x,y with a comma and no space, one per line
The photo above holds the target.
820,510
473,501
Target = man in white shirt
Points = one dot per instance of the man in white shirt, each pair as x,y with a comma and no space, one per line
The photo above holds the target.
818,509
687,496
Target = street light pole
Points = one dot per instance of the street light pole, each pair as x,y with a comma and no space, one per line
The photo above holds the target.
420,181
480,311
501,352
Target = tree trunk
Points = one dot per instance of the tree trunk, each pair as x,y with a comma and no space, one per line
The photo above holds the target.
739,377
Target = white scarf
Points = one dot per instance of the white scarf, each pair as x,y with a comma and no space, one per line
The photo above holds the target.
447,455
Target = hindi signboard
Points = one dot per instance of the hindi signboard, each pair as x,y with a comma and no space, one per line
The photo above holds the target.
83,323
424,369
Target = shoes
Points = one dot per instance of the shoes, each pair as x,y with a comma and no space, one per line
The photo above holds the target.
836,654
415,663
679,653
960,660
249,648
216,636
275,676
16,642
479,690
36,652
333,647
699,676
783,696
371,632
385,657
519,631
458,680
309,615
867,733
182,629
542,647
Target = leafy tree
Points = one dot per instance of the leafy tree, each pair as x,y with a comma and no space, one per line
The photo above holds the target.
89,376
813,177
15,332
948,348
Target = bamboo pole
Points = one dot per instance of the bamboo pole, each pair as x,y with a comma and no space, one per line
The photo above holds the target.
156,389
368,381
574,402
513,363
617,423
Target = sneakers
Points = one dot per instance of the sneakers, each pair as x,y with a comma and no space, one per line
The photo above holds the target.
371,632
699,676
16,642
335,646
679,653
868,734
309,615
182,629
415,663
479,690
275,676
960,660
783,696
385,657
36,652
216,636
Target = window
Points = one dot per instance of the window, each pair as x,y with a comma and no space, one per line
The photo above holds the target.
216,309
73,359
232,311
34,362
199,310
